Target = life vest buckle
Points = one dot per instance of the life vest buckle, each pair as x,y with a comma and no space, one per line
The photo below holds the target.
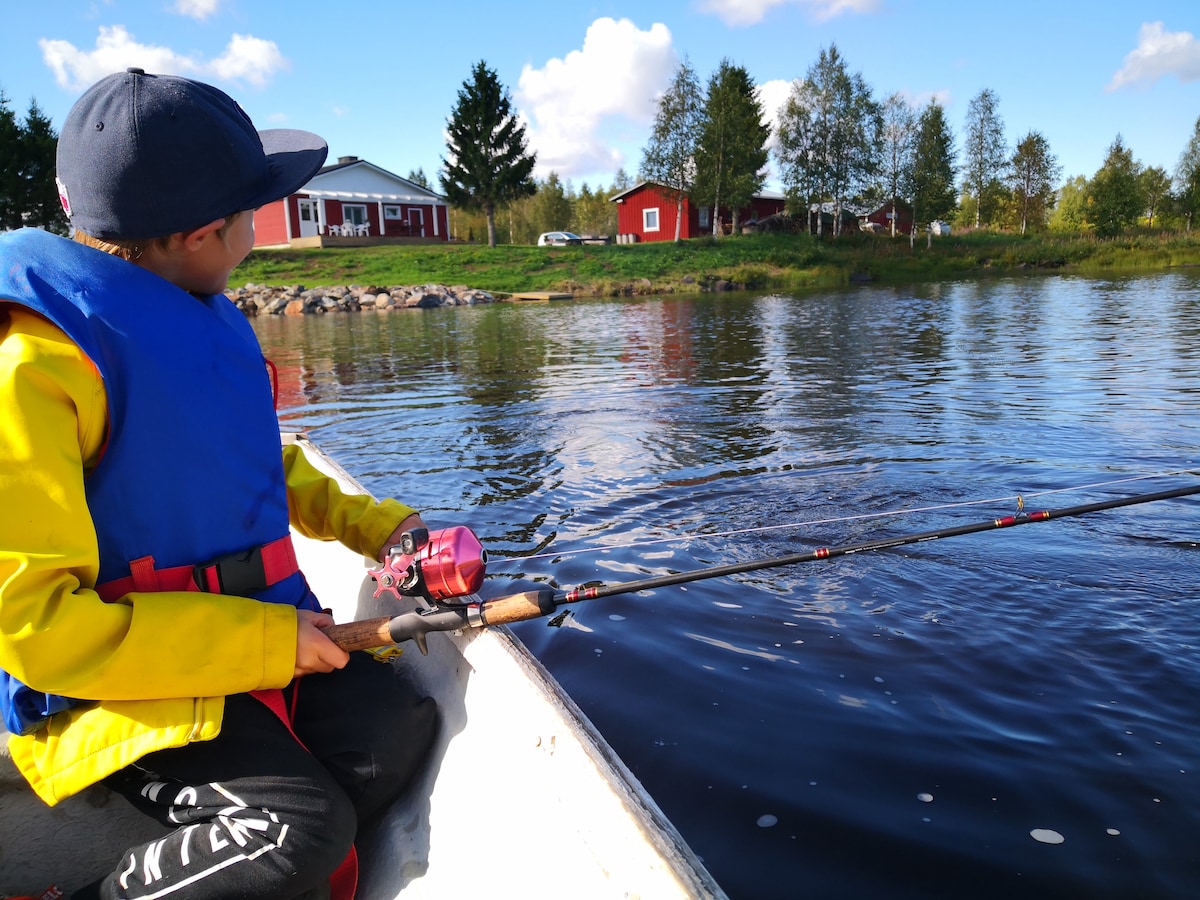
240,574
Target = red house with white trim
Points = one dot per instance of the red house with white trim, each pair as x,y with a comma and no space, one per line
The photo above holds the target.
353,202
882,216
648,212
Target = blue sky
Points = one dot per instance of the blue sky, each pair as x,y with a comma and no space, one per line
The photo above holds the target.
378,78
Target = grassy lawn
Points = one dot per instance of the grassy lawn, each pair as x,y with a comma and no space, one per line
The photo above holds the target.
768,261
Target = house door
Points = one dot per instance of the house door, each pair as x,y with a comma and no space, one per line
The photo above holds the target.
416,222
310,225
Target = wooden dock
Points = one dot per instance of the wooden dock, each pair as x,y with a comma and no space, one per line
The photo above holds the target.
539,296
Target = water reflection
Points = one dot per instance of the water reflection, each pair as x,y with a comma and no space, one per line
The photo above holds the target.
1039,679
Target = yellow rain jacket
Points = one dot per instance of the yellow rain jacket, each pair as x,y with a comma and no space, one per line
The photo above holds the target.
56,633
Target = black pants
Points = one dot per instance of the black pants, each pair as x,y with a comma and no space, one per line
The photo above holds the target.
257,814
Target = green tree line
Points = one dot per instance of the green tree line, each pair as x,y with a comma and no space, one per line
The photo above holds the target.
28,195
840,146
555,205
840,150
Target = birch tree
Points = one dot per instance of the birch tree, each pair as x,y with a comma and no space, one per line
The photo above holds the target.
829,132
1114,194
669,158
1187,178
1155,185
801,149
1034,173
898,141
984,154
1070,208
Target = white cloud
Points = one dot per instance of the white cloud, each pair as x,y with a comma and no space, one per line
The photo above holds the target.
921,99
249,59
197,9
573,104
1159,52
772,95
751,12
245,58
76,69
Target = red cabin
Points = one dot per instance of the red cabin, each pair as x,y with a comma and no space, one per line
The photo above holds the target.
648,212
353,202
882,217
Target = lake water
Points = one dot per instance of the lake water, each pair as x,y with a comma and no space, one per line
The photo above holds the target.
1011,713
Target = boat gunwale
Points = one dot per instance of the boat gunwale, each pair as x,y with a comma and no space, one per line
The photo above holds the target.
655,827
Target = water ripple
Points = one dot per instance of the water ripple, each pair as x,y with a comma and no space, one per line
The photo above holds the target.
999,715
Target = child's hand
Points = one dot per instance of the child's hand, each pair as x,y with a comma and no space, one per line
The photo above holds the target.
413,521
314,651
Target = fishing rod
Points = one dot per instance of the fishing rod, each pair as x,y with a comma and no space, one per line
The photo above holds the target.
444,569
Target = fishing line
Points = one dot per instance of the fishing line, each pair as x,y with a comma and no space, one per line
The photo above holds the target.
688,538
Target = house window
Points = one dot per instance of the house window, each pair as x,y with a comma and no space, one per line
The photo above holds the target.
391,211
650,219
704,222
354,213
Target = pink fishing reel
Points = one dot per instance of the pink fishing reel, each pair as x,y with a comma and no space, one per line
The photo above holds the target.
445,566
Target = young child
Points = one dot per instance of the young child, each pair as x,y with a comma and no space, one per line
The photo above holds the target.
155,632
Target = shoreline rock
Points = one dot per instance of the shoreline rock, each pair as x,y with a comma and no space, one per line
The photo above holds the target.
297,300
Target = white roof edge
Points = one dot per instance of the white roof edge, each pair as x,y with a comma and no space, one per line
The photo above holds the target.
426,199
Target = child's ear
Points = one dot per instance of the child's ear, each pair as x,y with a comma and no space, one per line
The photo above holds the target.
193,239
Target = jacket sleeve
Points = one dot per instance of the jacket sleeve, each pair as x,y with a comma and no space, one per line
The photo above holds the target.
56,634
319,509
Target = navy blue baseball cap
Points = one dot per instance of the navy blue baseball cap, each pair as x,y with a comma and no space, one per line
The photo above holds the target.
145,156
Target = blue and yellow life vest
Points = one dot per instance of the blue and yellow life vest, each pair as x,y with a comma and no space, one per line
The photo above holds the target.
189,491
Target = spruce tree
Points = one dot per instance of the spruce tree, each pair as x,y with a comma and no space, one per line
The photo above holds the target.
10,167
38,190
731,155
488,164
932,177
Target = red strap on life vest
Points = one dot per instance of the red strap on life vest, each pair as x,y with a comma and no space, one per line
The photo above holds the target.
344,881
278,562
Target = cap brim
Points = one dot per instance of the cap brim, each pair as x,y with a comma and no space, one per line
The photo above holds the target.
293,158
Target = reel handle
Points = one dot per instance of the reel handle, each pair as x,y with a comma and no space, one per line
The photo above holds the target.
413,540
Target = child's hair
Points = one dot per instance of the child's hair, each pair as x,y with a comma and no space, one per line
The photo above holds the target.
131,249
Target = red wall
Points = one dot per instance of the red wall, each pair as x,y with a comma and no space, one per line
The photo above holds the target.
903,217
631,207
399,227
270,226
760,208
